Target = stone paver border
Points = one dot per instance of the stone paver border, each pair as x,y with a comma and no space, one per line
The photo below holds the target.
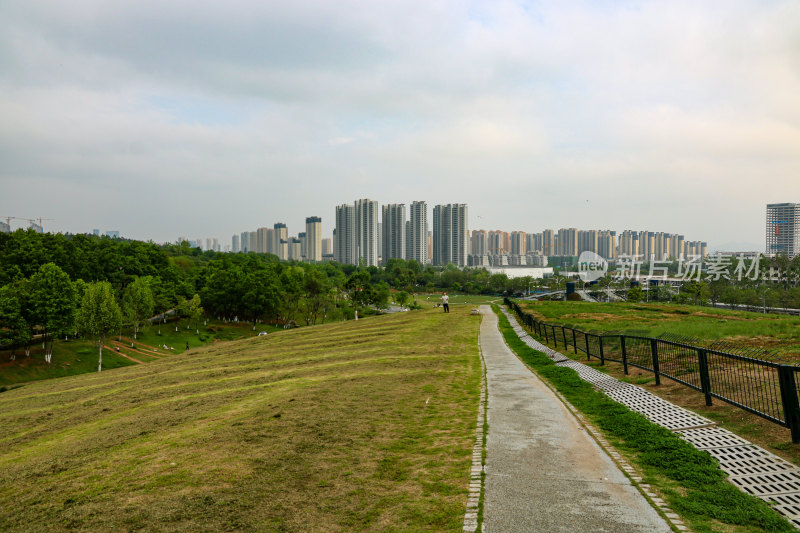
476,471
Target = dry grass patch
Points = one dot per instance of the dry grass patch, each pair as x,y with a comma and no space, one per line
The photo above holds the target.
301,430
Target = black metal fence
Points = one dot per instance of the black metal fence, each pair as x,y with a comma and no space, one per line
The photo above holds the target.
765,388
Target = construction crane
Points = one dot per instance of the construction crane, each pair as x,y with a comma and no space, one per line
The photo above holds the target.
31,220
39,226
9,219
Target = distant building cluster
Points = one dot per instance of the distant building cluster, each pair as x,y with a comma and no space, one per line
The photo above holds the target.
783,229
307,245
518,248
370,234
365,233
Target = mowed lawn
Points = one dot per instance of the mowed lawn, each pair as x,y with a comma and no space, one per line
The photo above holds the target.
364,425
778,333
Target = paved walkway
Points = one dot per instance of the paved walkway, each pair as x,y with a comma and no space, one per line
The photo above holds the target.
544,473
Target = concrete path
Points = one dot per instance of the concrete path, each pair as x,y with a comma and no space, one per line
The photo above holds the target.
544,473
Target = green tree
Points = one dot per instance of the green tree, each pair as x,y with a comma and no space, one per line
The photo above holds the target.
635,294
137,302
194,311
698,290
401,298
99,315
52,301
357,283
262,295
14,328
379,295
292,281
317,288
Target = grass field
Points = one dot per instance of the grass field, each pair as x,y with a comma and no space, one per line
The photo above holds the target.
456,300
364,425
71,357
754,330
778,333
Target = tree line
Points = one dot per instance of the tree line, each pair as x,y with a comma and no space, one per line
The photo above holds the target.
55,285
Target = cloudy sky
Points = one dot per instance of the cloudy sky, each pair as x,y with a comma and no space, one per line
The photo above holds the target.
204,119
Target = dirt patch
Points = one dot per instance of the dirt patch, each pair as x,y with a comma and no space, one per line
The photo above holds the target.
607,317
720,317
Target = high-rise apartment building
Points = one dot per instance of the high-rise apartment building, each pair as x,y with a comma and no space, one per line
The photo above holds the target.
393,229
479,242
783,229
314,249
280,236
450,234
244,242
607,244
294,249
263,238
567,241
366,231
534,242
417,234
252,239
629,243
518,243
345,235
495,242
430,245
548,242
302,238
327,249
587,241
235,244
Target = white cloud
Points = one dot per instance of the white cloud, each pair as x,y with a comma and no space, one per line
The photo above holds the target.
662,115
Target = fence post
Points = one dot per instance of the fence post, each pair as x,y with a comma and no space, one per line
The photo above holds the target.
586,342
705,381
602,356
544,328
654,353
574,342
555,339
624,354
564,336
791,409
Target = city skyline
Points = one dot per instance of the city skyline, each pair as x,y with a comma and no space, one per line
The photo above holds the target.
157,122
404,234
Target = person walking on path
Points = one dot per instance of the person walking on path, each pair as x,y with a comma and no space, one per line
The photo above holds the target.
446,302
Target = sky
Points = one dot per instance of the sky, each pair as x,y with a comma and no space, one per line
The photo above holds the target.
164,119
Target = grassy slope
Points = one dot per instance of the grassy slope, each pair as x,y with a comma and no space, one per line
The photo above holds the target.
775,332
74,357
360,425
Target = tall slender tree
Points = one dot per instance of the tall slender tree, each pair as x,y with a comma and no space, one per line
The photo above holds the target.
52,301
99,315
137,303
13,326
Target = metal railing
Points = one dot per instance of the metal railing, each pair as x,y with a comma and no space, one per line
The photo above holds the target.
764,388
